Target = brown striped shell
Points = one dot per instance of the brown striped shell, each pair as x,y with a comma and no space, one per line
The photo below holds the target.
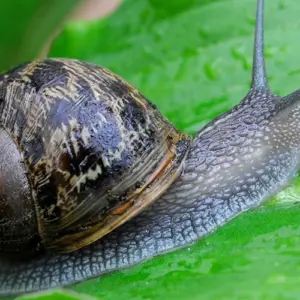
96,151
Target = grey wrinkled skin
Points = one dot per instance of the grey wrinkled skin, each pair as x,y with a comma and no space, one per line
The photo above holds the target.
234,164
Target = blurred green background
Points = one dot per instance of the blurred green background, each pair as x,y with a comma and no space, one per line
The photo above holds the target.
193,59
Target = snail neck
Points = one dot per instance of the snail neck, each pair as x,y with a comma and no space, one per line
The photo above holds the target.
16,206
236,162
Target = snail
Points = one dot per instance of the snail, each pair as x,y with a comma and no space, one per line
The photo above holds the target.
93,178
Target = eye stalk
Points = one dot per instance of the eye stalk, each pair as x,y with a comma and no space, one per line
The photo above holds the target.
259,76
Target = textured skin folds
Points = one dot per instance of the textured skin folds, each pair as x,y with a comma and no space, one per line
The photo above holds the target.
256,152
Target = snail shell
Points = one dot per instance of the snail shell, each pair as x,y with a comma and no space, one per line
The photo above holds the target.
89,152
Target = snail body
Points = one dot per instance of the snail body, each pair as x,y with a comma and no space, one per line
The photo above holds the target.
175,189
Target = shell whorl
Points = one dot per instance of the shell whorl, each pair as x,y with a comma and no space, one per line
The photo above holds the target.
89,140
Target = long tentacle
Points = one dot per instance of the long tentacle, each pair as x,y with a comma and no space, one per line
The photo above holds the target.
259,76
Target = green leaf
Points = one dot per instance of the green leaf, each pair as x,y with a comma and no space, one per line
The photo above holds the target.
26,25
193,59
61,294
